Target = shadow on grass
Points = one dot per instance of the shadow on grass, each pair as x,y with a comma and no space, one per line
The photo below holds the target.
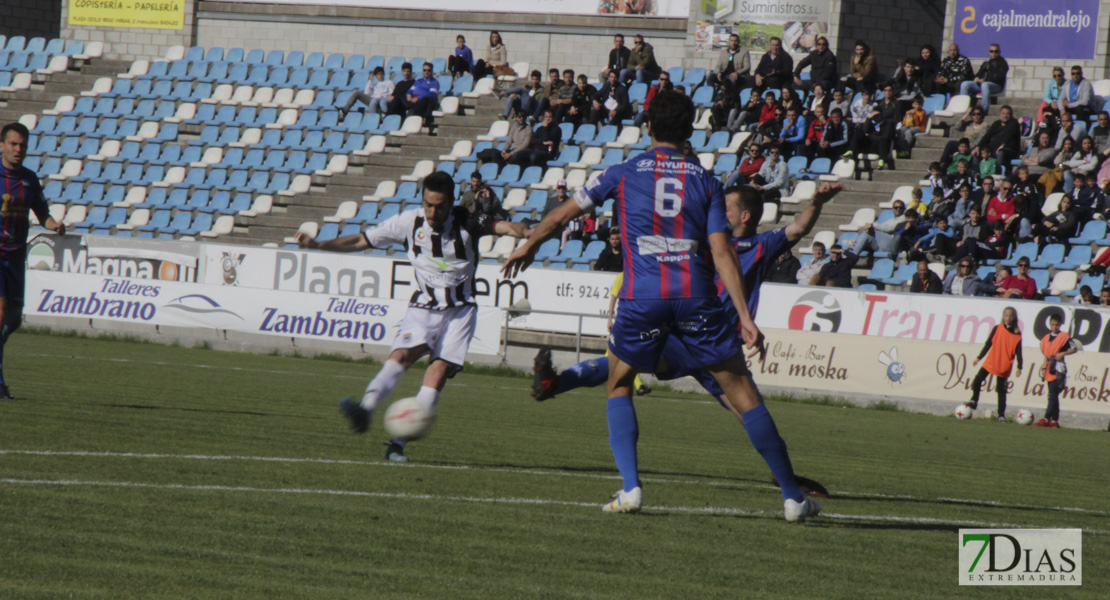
183,409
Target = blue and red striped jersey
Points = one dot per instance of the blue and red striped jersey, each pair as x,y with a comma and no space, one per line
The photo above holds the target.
20,193
666,205
755,253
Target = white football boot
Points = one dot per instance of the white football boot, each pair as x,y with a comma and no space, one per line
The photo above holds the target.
626,502
796,512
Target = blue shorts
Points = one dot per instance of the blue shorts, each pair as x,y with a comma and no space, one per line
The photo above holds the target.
643,327
13,276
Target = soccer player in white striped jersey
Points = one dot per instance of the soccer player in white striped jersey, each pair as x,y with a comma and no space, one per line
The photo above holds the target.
442,244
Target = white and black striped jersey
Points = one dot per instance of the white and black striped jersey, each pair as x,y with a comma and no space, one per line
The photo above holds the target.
445,262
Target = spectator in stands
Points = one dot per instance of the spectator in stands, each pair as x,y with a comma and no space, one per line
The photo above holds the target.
462,61
518,143
940,205
611,258
1086,296
915,203
1052,178
553,201
1100,134
834,143
726,102
688,151
790,99
912,230
808,271
913,124
839,100
983,195
784,269
818,98
1001,207
995,246
974,126
749,114
748,168
815,132
862,70
525,98
1004,135
554,84
926,66
479,197
988,164
735,64
610,103
497,58
544,145
883,128
1057,227
663,84
1023,185
1078,96
563,98
1104,296
963,281
397,105
939,243
989,288
1069,129
838,271
1020,285
769,129
925,281
423,97
951,162
641,61
974,228
822,67
793,134
618,59
990,80
880,236
1039,157
862,111
1051,99
954,70
961,208
580,102
775,68
375,95
907,86
1087,199
773,177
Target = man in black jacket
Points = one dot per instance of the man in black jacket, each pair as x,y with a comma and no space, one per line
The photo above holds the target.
398,105
618,58
1004,136
925,281
610,103
611,258
545,142
822,67
954,70
991,78
774,68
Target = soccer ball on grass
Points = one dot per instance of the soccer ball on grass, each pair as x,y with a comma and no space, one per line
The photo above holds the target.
1024,417
963,411
409,419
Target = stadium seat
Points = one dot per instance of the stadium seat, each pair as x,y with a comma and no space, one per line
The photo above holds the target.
1077,257
1026,250
1050,255
1092,232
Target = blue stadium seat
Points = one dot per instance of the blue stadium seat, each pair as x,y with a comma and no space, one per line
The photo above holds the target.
590,252
528,177
703,96
902,275
605,135
725,164
547,250
366,213
1079,255
568,155
1092,232
718,140
1026,250
1049,256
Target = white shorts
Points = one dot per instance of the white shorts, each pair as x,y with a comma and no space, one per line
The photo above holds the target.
447,333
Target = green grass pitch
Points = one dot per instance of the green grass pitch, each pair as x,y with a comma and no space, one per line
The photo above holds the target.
136,470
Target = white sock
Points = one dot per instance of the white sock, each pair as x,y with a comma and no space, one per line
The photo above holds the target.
428,396
383,383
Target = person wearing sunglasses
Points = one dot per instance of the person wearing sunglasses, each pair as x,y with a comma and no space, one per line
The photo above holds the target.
1077,96
963,281
990,80
423,96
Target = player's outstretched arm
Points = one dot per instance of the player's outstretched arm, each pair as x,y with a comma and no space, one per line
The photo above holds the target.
728,268
551,225
805,221
348,243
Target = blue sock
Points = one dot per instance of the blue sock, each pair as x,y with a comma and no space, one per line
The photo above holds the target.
623,435
767,441
588,373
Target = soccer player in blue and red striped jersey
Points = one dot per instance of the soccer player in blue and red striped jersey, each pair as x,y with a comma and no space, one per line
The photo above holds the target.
20,193
674,230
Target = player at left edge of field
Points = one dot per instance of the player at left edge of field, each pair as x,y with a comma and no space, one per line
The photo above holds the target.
21,193
441,240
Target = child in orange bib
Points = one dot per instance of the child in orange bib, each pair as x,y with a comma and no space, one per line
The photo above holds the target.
1002,348
1055,345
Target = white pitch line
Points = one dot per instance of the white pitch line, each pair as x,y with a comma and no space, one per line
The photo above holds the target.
536,472
711,510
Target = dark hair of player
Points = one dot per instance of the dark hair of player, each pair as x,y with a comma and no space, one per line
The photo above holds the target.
440,183
749,198
19,128
671,117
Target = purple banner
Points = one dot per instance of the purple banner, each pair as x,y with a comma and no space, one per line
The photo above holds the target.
1029,29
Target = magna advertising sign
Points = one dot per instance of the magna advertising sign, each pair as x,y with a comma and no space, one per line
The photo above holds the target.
266,312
